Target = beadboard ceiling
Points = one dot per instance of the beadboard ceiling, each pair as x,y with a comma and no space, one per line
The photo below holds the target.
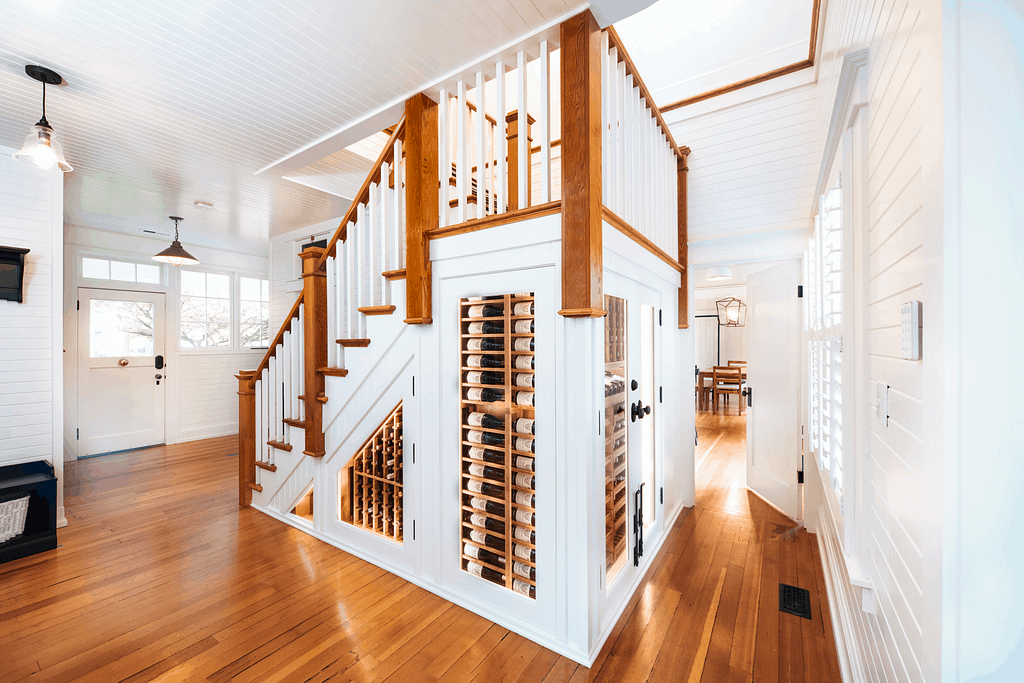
166,103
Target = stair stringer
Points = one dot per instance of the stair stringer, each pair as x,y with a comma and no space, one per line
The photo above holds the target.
293,486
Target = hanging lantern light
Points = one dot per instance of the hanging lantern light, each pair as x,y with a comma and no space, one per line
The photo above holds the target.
176,254
731,312
41,147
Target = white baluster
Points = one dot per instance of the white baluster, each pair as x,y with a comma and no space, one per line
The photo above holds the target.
298,370
258,422
544,120
501,191
480,122
302,374
351,282
275,416
461,157
522,139
398,216
606,132
286,373
384,235
620,138
375,231
444,161
489,195
331,313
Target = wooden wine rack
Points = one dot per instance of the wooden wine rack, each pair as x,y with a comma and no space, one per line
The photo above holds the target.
508,411
615,417
375,502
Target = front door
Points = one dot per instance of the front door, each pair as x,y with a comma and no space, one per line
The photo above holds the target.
121,391
632,508
773,383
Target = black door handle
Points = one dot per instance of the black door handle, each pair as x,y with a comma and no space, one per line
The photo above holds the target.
638,524
158,362
638,410
748,392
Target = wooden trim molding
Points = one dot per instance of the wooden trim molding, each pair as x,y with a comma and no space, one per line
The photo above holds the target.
760,78
495,220
629,231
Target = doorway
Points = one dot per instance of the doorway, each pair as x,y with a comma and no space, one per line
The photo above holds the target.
121,379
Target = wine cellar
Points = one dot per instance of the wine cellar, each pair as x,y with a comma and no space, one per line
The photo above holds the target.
375,474
497,442
615,459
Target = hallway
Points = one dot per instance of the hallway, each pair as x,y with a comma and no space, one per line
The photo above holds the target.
161,577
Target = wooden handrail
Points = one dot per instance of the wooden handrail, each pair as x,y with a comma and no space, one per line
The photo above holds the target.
615,41
363,196
292,315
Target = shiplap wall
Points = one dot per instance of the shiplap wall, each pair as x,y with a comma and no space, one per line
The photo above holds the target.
207,393
31,202
284,268
889,644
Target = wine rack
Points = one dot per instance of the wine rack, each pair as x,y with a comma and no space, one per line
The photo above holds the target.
375,473
615,418
498,522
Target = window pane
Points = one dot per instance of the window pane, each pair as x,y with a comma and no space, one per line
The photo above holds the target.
147,273
218,286
250,289
266,289
218,335
120,328
193,309
218,310
119,270
193,334
254,335
193,284
96,268
250,313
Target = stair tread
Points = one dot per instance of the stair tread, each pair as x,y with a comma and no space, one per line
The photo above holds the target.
333,372
377,310
279,445
254,487
267,466
350,343
394,274
292,422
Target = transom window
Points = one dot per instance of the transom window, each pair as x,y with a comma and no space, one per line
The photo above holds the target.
123,271
205,309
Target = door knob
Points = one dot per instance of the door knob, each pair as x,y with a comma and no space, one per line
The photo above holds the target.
638,410
123,362
159,376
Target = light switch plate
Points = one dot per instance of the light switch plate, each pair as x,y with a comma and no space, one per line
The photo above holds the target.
910,330
881,403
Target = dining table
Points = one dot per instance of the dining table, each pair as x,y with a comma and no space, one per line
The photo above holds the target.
704,388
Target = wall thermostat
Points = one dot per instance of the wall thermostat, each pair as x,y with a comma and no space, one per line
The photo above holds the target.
910,330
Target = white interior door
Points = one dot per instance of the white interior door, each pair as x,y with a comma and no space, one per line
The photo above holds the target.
121,391
773,380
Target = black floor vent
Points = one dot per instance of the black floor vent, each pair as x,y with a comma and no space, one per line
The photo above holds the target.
795,600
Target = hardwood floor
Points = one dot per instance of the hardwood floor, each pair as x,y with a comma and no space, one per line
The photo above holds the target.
161,577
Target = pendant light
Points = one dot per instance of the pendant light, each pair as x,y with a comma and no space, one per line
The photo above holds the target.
719,273
41,147
731,312
176,254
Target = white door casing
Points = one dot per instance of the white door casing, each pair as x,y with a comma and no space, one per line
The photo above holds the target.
121,403
773,378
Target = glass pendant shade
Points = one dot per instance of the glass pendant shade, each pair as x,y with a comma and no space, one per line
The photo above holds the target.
41,148
731,312
176,254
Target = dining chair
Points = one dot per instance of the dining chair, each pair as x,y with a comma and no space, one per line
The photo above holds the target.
741,363
726,380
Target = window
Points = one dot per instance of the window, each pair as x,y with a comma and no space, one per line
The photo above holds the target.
254,312
205,309
120,328
124,271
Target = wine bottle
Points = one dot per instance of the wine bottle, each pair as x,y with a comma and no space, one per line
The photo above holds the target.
487,455
485,395
523,398
486,311
523,463
482,298
523,308
485,377
524,362
481,538
488,506
523,498
524,553
489,344
488,327
485,573
489,523
523,516
525,481
524,379
524,570
483,555
485,420
523,443
485,489
523,327
484,471
487,438
522,343
524,588
526,535
485,361
524,425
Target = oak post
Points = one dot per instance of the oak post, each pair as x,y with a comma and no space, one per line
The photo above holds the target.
512,135
246,435
684,285
422,188
582,258
314,296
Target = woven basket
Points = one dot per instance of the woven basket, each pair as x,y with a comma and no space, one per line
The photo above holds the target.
12,517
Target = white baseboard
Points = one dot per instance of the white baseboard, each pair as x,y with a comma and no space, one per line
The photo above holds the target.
207,432
843,613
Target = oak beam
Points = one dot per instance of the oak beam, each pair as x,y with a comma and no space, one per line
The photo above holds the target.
314,292
422,196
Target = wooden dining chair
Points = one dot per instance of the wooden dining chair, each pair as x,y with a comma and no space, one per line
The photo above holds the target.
741,363
726,380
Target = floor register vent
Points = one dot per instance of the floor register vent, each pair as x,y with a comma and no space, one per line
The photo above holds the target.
795,600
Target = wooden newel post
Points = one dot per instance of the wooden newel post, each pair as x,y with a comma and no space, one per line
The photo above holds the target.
422,194
684,286
314,352
512,135
246,435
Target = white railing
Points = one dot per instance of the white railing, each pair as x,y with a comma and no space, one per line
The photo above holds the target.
373,246
473,136
639,176
278,387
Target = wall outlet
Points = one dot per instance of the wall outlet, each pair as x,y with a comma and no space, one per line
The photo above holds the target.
910,330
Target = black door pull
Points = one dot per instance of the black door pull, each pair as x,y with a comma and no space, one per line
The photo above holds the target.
638,410
748,392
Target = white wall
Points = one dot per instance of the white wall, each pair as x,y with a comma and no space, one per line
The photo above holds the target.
285,269
31,411
201,399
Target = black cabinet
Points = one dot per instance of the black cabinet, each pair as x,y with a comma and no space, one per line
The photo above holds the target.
37,480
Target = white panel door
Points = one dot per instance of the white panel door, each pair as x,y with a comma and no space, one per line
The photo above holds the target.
121,392
773,380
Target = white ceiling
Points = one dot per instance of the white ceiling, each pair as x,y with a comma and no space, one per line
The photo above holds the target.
167,102
686,47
